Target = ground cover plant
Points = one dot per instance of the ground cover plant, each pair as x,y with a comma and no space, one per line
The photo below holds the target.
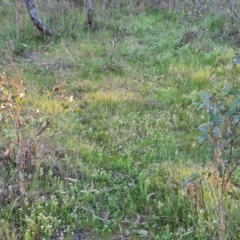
105,129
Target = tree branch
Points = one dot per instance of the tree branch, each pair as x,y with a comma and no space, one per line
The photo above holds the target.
36,19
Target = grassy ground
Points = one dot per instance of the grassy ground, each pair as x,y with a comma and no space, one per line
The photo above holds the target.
120,103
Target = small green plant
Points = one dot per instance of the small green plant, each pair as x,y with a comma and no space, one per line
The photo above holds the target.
222,131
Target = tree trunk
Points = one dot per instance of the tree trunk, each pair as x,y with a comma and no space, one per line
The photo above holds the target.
90,12
36,19
103,5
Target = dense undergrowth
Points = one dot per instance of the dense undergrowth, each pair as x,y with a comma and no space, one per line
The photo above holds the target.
99,126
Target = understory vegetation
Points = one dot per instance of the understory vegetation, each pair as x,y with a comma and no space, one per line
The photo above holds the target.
128,129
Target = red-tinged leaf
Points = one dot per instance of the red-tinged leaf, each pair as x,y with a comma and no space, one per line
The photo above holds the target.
56,89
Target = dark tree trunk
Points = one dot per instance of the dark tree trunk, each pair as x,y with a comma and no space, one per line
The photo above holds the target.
36,19
90,12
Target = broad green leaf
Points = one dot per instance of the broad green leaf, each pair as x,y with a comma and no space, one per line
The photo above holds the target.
235,118
202,138
225,158
235,103
203,128
233,92
215,118
203,104
185,182
221,107
193,176
204,95
216,132
20,174
212,148
225,89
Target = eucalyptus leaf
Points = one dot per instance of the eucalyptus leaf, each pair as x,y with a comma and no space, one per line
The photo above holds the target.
233,92
185,182
225,89
203,104
235,103
204,95
213,147
193,176
203,128
20,175
216,132
238,138
202,138
235,118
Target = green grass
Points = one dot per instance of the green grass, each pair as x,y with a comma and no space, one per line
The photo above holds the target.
112,160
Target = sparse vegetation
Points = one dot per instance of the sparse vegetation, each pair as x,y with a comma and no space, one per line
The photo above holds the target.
100,125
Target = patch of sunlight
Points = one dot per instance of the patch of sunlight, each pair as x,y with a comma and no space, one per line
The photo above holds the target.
201,74
105,97
48,105
86,150
184,176
190,72
81,148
